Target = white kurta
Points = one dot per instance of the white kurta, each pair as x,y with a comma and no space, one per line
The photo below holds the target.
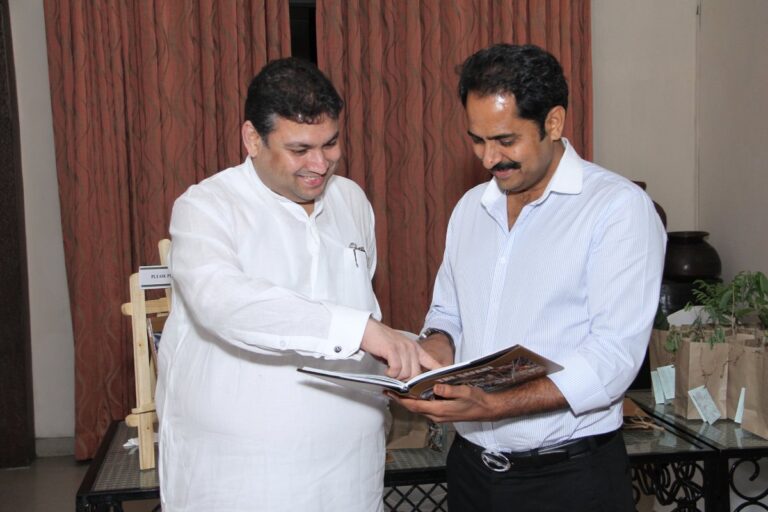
261,288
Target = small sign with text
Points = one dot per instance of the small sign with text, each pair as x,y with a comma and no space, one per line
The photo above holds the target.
154,277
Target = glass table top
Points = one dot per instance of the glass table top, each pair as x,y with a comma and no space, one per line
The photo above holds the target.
724,434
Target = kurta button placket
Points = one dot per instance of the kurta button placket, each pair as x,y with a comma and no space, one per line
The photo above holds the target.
313,247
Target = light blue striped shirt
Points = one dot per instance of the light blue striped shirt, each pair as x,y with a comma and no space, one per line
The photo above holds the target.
576,279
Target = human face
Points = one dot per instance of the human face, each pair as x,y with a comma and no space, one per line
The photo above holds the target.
297,159
511,148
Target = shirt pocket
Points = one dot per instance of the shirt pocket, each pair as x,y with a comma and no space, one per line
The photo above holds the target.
356,279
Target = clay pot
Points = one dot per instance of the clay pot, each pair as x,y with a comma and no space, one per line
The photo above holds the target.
689,257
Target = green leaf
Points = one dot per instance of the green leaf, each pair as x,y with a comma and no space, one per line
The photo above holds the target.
673,341
718,336
762,283
726,299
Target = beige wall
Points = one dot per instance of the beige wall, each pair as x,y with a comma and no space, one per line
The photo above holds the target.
679,95
733,134
643,69
51,327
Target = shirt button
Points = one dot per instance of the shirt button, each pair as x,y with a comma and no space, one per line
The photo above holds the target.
337,349
282,343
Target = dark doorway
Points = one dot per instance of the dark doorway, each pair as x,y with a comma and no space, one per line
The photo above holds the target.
303,31
17,436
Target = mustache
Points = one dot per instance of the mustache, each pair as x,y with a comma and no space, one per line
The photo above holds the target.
504,166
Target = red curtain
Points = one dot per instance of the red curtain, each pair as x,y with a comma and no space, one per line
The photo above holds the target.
404,134
147,99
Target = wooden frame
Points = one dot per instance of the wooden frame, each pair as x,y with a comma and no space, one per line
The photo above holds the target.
144,415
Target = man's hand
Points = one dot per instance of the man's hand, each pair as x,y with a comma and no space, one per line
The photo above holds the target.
460,403
439,346
469,403
404,357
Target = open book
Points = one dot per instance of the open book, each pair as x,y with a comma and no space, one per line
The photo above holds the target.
505,368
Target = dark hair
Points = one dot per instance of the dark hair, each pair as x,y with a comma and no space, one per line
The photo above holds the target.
293,89
531,74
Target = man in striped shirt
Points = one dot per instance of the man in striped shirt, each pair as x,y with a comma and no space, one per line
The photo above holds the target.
562,256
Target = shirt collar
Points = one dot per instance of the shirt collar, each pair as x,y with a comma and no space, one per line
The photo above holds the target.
568,179
294,208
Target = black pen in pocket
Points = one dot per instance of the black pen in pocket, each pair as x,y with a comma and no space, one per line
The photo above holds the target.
356,248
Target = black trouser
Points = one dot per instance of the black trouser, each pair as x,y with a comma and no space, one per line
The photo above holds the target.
598,481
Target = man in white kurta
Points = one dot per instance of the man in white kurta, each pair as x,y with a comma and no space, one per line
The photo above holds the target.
272,263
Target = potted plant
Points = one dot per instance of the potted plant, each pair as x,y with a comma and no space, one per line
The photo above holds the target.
725,309
734,312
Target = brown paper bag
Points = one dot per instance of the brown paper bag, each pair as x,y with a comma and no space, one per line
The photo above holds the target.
700,364
755,417
408,430
741,368
658,355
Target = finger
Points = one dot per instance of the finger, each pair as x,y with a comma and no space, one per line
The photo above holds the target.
399,366
410,360
409,403
406,370
414,359
427,361
453,392
394,365
413,404
405,402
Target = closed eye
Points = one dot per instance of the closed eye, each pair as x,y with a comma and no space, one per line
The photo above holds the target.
475,139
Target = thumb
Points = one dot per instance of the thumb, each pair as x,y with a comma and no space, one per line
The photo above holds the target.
427,361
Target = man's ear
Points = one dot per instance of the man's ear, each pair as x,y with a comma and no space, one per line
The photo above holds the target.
555,122
251,139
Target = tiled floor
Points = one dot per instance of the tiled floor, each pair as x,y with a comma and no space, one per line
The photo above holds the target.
49,484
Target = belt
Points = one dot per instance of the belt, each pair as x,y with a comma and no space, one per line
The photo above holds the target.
539,457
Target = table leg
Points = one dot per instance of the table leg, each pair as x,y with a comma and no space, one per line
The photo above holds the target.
716,489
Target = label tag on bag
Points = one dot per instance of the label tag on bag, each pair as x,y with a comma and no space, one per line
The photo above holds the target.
740,408
704,404
667,377
658,390
154,276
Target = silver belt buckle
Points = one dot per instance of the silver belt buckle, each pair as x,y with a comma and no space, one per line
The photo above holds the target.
495,461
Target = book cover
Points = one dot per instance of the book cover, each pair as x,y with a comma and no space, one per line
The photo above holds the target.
503,369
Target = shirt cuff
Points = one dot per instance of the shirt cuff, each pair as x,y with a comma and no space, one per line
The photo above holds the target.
580,385
346,332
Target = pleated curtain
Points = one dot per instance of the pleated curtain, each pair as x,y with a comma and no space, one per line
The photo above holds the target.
147,100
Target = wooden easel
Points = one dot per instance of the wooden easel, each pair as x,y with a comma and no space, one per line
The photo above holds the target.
144,415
